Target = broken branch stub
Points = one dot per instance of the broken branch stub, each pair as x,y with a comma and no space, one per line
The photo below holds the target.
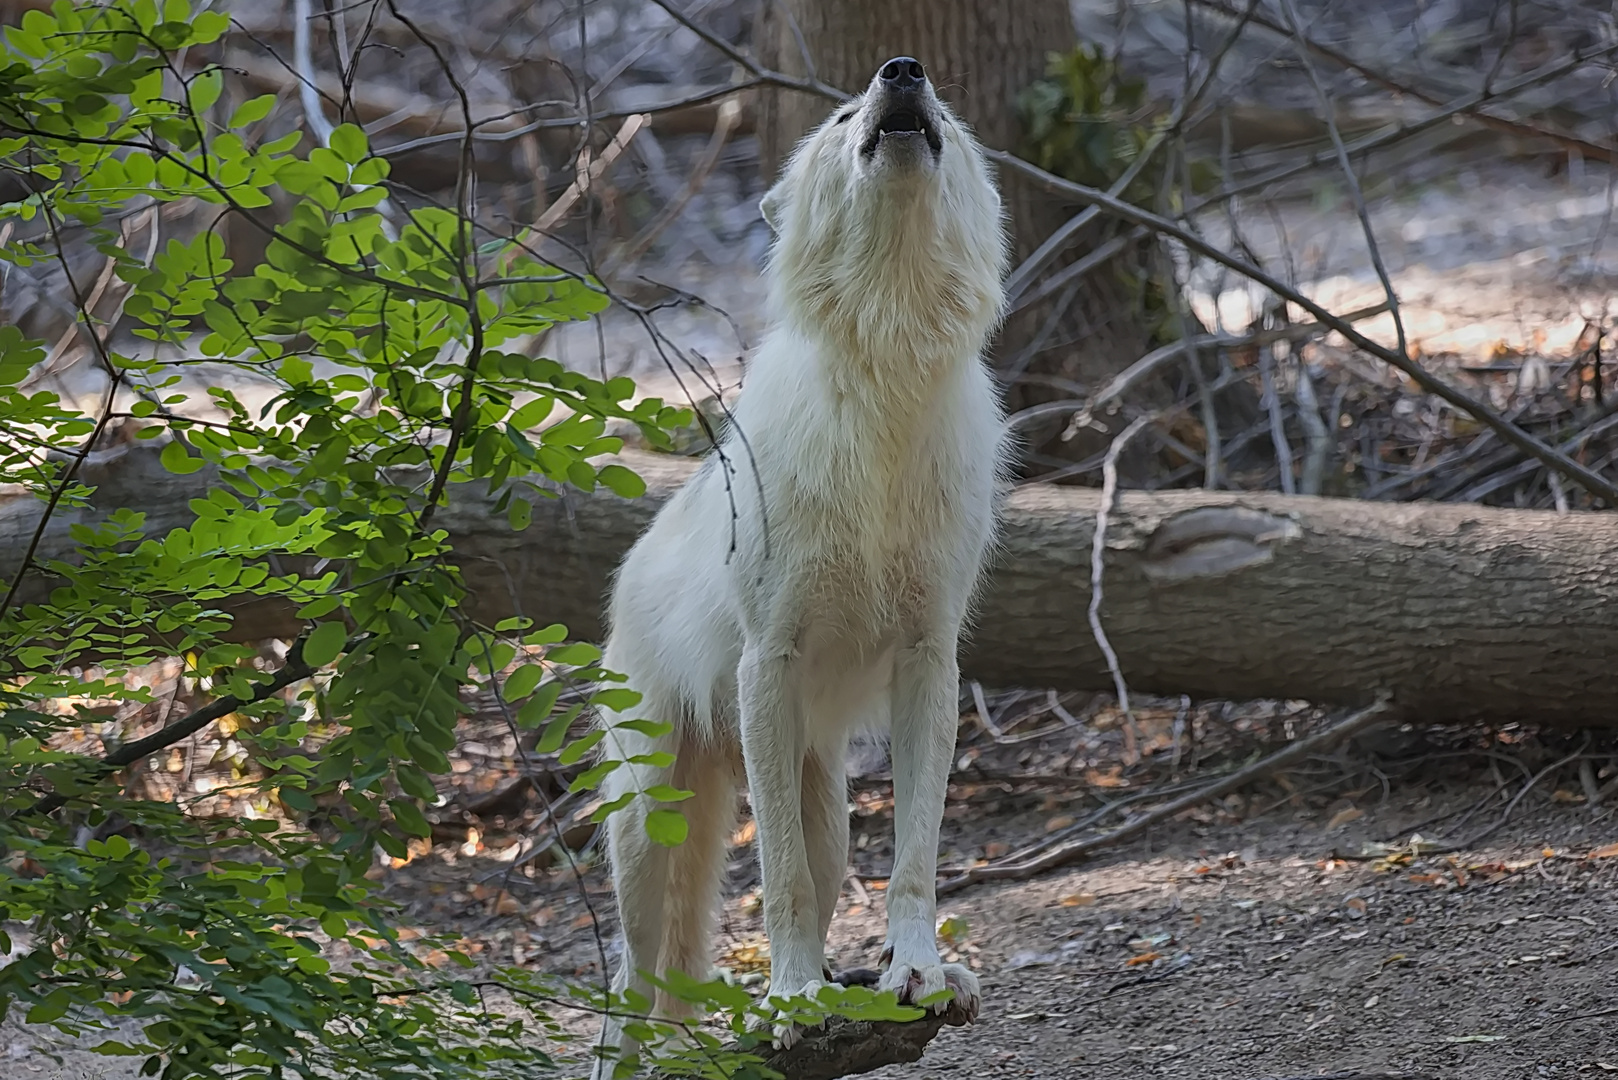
1211,541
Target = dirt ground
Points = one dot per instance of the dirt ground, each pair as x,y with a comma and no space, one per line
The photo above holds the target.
1251,939
1302,927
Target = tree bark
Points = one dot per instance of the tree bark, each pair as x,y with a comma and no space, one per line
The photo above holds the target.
981,54
1461,612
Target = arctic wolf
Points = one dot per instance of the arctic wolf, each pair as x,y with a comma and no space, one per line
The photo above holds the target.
812,579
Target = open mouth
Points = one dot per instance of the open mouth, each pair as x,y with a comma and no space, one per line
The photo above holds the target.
901,120
903,123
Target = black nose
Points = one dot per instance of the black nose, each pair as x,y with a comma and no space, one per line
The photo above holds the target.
903,73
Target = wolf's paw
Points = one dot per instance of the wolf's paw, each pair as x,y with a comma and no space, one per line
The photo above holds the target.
783,1032
915,982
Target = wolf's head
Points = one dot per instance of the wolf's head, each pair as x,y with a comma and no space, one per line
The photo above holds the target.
888,226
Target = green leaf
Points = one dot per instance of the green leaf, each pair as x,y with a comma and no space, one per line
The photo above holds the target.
652,729
348,142
554,735
205,90
409,817
621,481
521,683
324,644
668,793
575,750
616,699
590,778
530,415
113,1048
54,1007
177,461
416,782
577,654
537,709
209,26
667,827
251,111
607,809
548,635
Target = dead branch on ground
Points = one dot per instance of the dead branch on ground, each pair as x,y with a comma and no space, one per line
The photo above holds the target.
844,1047
1014,869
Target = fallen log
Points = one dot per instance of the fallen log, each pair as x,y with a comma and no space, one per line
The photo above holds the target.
1459,612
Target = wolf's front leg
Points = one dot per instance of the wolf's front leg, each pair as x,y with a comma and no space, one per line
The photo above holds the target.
774,743
925,684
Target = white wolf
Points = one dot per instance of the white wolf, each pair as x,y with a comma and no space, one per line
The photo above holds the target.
812,578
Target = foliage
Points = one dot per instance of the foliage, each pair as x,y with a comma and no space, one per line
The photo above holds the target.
1089,122
394,341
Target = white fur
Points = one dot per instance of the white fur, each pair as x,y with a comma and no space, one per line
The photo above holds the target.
813,577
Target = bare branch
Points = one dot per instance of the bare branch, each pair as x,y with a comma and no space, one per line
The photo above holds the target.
1143,367
1329,114
1579,474
1593,151
294,671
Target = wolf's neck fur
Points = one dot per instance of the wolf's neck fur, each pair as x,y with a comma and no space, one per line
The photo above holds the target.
887,286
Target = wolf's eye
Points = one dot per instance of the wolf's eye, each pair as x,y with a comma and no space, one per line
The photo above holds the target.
846,116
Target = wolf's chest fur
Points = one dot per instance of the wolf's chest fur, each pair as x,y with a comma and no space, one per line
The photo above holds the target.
876,502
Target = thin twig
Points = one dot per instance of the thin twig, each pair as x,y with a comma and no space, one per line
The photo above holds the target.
776,78
1608,790
115,381
1505,815
1587,1016
1098,552
1489,485
308,96
1362,1076
1024,274
1317,435
1278,431
1587,780
1356,192
588,173
730,113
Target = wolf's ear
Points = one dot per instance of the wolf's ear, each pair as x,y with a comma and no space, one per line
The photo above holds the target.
772,205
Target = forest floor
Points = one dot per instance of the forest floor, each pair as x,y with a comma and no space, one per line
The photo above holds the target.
1252,938
1300,927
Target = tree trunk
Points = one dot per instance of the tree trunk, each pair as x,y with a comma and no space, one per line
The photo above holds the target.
1462,612
980,55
